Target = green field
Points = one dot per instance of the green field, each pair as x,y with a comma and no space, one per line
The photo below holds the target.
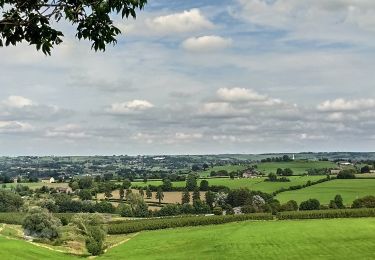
324,192
308,239
299,239
253,184
36,185
228,168
12,249
298,167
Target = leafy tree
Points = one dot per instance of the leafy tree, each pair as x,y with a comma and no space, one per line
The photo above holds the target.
10,201
85,182
365,169
191,182
159,195
74,185
128,192
125,210
195,168
365,202
108,193
291,205
217,211
272,177
185,197
35,21
279,171
126,184
339,201
42,224
346,174
209,198
85,194
121,193
91,226
311,204
204,186
138,205
142,193
205,166
148,192
287,172
167,185
196,195
231,175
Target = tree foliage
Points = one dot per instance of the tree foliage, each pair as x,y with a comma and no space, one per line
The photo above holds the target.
10,201
35,21
42,224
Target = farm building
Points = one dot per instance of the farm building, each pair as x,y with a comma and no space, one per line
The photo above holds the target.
50,180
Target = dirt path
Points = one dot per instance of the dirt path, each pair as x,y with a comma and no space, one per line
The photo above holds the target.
122,242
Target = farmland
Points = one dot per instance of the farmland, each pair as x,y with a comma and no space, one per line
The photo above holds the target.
257,184
323,239
299,167
324,192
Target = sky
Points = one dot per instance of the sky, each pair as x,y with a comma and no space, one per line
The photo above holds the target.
200,77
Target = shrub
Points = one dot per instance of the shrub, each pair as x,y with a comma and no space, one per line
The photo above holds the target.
365,202
331,213
10,201
346,174
311,204
217,211
291,205
42,224
125,210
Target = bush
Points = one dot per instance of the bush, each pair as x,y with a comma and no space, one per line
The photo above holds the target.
10,201
125,210
218,211
152,224
346,174
42,224
291,205
332,213
311,204
365,202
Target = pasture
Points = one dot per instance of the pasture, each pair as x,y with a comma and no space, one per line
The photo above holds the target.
324,192
299,167
36,185
302,239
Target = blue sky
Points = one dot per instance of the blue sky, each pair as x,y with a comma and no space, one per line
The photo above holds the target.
240,76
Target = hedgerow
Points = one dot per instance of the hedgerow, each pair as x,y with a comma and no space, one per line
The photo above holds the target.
163,223
333,213
16,218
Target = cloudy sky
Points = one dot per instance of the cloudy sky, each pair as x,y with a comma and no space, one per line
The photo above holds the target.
223,76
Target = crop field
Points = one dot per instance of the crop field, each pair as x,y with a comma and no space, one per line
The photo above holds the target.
298,167
324,192
307,239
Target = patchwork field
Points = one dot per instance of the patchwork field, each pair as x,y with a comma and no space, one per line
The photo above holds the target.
309,239
324,192
298,167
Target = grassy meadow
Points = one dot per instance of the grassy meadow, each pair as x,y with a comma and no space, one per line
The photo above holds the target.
299,167
306,239
253,184
324,192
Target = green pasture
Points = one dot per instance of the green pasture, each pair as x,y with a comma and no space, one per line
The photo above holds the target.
324,192
228,168
36,185
299,167
306,239
253,184
12,249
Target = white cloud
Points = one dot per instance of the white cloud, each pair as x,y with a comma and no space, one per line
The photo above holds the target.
70,131
239,94
340,104
130,107
15,127
206,43
187,21
17,102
